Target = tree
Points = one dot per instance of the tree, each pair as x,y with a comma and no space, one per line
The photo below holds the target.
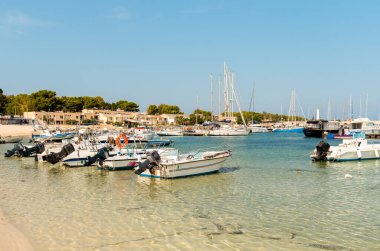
152,110
180,120
44,100
71,104
169,109
17,105
127,106
3,102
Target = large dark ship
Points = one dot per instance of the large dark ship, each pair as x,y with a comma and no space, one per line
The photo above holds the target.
317,128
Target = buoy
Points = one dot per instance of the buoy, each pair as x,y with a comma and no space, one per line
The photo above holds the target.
348,176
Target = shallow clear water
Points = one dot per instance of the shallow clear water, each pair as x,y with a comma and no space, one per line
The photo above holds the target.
269,196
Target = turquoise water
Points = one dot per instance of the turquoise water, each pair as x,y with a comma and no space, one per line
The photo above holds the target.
269,196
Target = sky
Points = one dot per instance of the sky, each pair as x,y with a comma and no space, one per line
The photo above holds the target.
153,52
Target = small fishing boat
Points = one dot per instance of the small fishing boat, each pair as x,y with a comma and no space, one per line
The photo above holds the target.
257,128
317,128
130,159
295,129
7,140
194,133
183,165
170,132
56,136
357,148
226,130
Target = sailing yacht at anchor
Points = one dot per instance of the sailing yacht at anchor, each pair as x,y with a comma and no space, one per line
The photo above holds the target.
229,129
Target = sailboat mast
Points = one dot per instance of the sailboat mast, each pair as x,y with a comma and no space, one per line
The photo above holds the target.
225,90
219,98
251,104
196,112
329,110
366,107
212,95
351,108
344,109
232,96
238,104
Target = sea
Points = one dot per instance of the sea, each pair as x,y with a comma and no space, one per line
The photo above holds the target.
268,196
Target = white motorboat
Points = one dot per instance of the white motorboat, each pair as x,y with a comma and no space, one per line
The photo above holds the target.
170,132
257,128
357,148
370,128
141,133
229,131
184,165
129,160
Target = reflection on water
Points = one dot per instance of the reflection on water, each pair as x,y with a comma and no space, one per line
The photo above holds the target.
269,196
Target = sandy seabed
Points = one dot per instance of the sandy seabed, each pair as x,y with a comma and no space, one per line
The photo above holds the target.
12,239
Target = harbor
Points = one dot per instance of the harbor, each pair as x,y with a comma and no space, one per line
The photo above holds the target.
189,125
265,196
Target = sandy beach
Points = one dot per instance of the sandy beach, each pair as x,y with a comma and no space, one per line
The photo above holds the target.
16,130
12,239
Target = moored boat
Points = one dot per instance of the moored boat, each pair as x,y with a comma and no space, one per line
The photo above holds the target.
170,132
257,128
7,140
357,148
317,128
184,165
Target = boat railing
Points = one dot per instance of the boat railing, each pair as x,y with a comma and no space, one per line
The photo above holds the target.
209,149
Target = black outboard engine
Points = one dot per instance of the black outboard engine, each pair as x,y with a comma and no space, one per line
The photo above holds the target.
151,161
17,147
322,150
56,157
101,155
22,151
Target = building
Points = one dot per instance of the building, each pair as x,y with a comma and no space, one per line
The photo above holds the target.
101,117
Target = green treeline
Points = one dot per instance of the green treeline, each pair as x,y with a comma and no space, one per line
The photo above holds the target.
45,100
200,116
48,101
163,109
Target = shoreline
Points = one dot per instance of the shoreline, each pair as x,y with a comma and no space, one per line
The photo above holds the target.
11,239
16,130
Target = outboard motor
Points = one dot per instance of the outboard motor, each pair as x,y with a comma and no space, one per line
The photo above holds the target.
100,156
322,151
23,151
151,161
17,147
56,157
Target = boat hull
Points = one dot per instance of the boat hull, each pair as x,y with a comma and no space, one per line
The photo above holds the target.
228,133
186,169
296,130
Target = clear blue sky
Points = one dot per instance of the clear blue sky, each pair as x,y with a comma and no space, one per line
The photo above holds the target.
153,52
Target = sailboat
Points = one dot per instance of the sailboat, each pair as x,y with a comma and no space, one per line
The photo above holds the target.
291,125
229,129
255,128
